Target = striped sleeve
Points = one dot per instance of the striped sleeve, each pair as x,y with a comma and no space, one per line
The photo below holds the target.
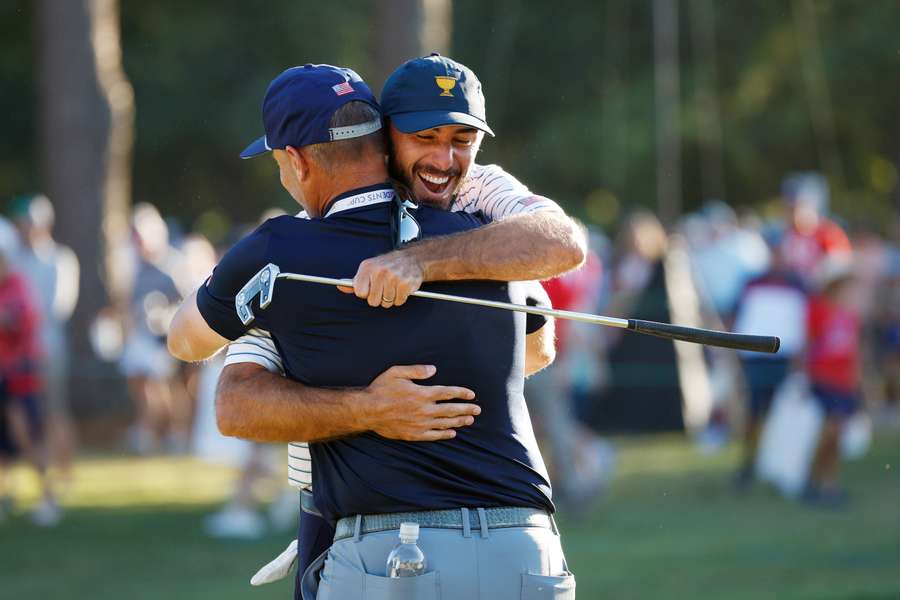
256,346
498,194
299,465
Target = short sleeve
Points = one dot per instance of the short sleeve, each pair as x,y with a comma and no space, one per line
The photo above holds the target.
215,299
537,296
256,346
498,194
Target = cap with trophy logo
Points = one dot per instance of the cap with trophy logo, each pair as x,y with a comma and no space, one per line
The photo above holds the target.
433,91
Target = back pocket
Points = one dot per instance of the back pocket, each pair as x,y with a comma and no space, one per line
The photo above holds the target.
422,587
548,587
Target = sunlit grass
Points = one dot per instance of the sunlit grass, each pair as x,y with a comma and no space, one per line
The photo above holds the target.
112,482
672,526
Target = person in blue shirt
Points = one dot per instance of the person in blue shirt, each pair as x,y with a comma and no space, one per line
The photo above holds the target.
485,483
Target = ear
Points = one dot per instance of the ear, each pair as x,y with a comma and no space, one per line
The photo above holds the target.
299,162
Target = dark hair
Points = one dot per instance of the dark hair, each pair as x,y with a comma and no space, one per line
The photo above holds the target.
334,155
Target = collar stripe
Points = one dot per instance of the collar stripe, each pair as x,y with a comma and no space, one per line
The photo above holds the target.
360,200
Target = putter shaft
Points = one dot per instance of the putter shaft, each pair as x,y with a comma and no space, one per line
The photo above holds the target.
534,310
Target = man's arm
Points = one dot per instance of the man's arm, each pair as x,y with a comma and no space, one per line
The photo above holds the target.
190,338
255,404
540,348
526,246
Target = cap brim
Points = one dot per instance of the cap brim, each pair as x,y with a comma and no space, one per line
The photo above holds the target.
412,122
256,148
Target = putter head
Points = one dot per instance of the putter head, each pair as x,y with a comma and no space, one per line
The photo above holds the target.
263,284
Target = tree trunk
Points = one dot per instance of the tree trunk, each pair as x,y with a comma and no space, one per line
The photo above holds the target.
668,139
416,28
86,131
703,51
817,91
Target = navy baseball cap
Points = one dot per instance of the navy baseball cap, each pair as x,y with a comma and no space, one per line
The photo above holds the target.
433,91
300,102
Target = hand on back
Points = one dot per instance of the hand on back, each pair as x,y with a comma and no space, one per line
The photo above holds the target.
400,409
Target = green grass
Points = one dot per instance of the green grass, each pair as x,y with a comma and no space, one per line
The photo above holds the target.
672,527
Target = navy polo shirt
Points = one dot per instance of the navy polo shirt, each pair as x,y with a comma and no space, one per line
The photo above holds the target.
330,339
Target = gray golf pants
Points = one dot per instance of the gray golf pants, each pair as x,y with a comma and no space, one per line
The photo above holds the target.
514,563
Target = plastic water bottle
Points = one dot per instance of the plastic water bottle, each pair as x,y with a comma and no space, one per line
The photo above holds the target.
406,559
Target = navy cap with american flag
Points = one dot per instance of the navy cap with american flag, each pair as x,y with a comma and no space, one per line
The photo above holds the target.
300,102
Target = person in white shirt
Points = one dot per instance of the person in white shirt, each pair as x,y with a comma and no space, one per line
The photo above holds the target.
52,271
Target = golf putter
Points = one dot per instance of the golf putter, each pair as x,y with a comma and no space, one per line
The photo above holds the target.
263,284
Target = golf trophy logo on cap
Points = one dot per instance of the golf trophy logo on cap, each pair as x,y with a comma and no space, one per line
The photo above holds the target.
446,83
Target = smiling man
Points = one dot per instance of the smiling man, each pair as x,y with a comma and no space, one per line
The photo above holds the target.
437,116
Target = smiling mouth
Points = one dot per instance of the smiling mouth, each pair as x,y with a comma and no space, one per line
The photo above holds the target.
436,184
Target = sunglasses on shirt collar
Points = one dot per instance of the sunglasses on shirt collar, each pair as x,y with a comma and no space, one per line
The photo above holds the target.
405,228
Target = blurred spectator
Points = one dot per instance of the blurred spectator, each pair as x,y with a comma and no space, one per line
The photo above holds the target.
52,270
889,330
832,362
22,424
240,517
643,391
871,270
197,257
580,461
145,361
728,256
772,304
810,237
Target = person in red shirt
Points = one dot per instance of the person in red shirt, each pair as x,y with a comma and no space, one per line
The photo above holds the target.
832,363
811,238
21,422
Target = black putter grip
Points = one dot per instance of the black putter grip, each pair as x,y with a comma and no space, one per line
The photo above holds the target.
739,341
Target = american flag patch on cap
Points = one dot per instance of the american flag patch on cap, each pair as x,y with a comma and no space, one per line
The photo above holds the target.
343,88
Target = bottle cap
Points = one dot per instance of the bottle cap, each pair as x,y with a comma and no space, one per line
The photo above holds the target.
409,530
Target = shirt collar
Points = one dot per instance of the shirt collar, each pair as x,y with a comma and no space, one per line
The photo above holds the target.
358,198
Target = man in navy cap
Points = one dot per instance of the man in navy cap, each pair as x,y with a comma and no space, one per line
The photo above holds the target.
324,341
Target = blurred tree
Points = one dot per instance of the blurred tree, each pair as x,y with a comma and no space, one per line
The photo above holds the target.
200,70
709,131
409,28
570,93
667,75
86,120
18,161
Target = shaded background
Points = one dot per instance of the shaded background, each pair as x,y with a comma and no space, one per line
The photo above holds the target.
759,90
